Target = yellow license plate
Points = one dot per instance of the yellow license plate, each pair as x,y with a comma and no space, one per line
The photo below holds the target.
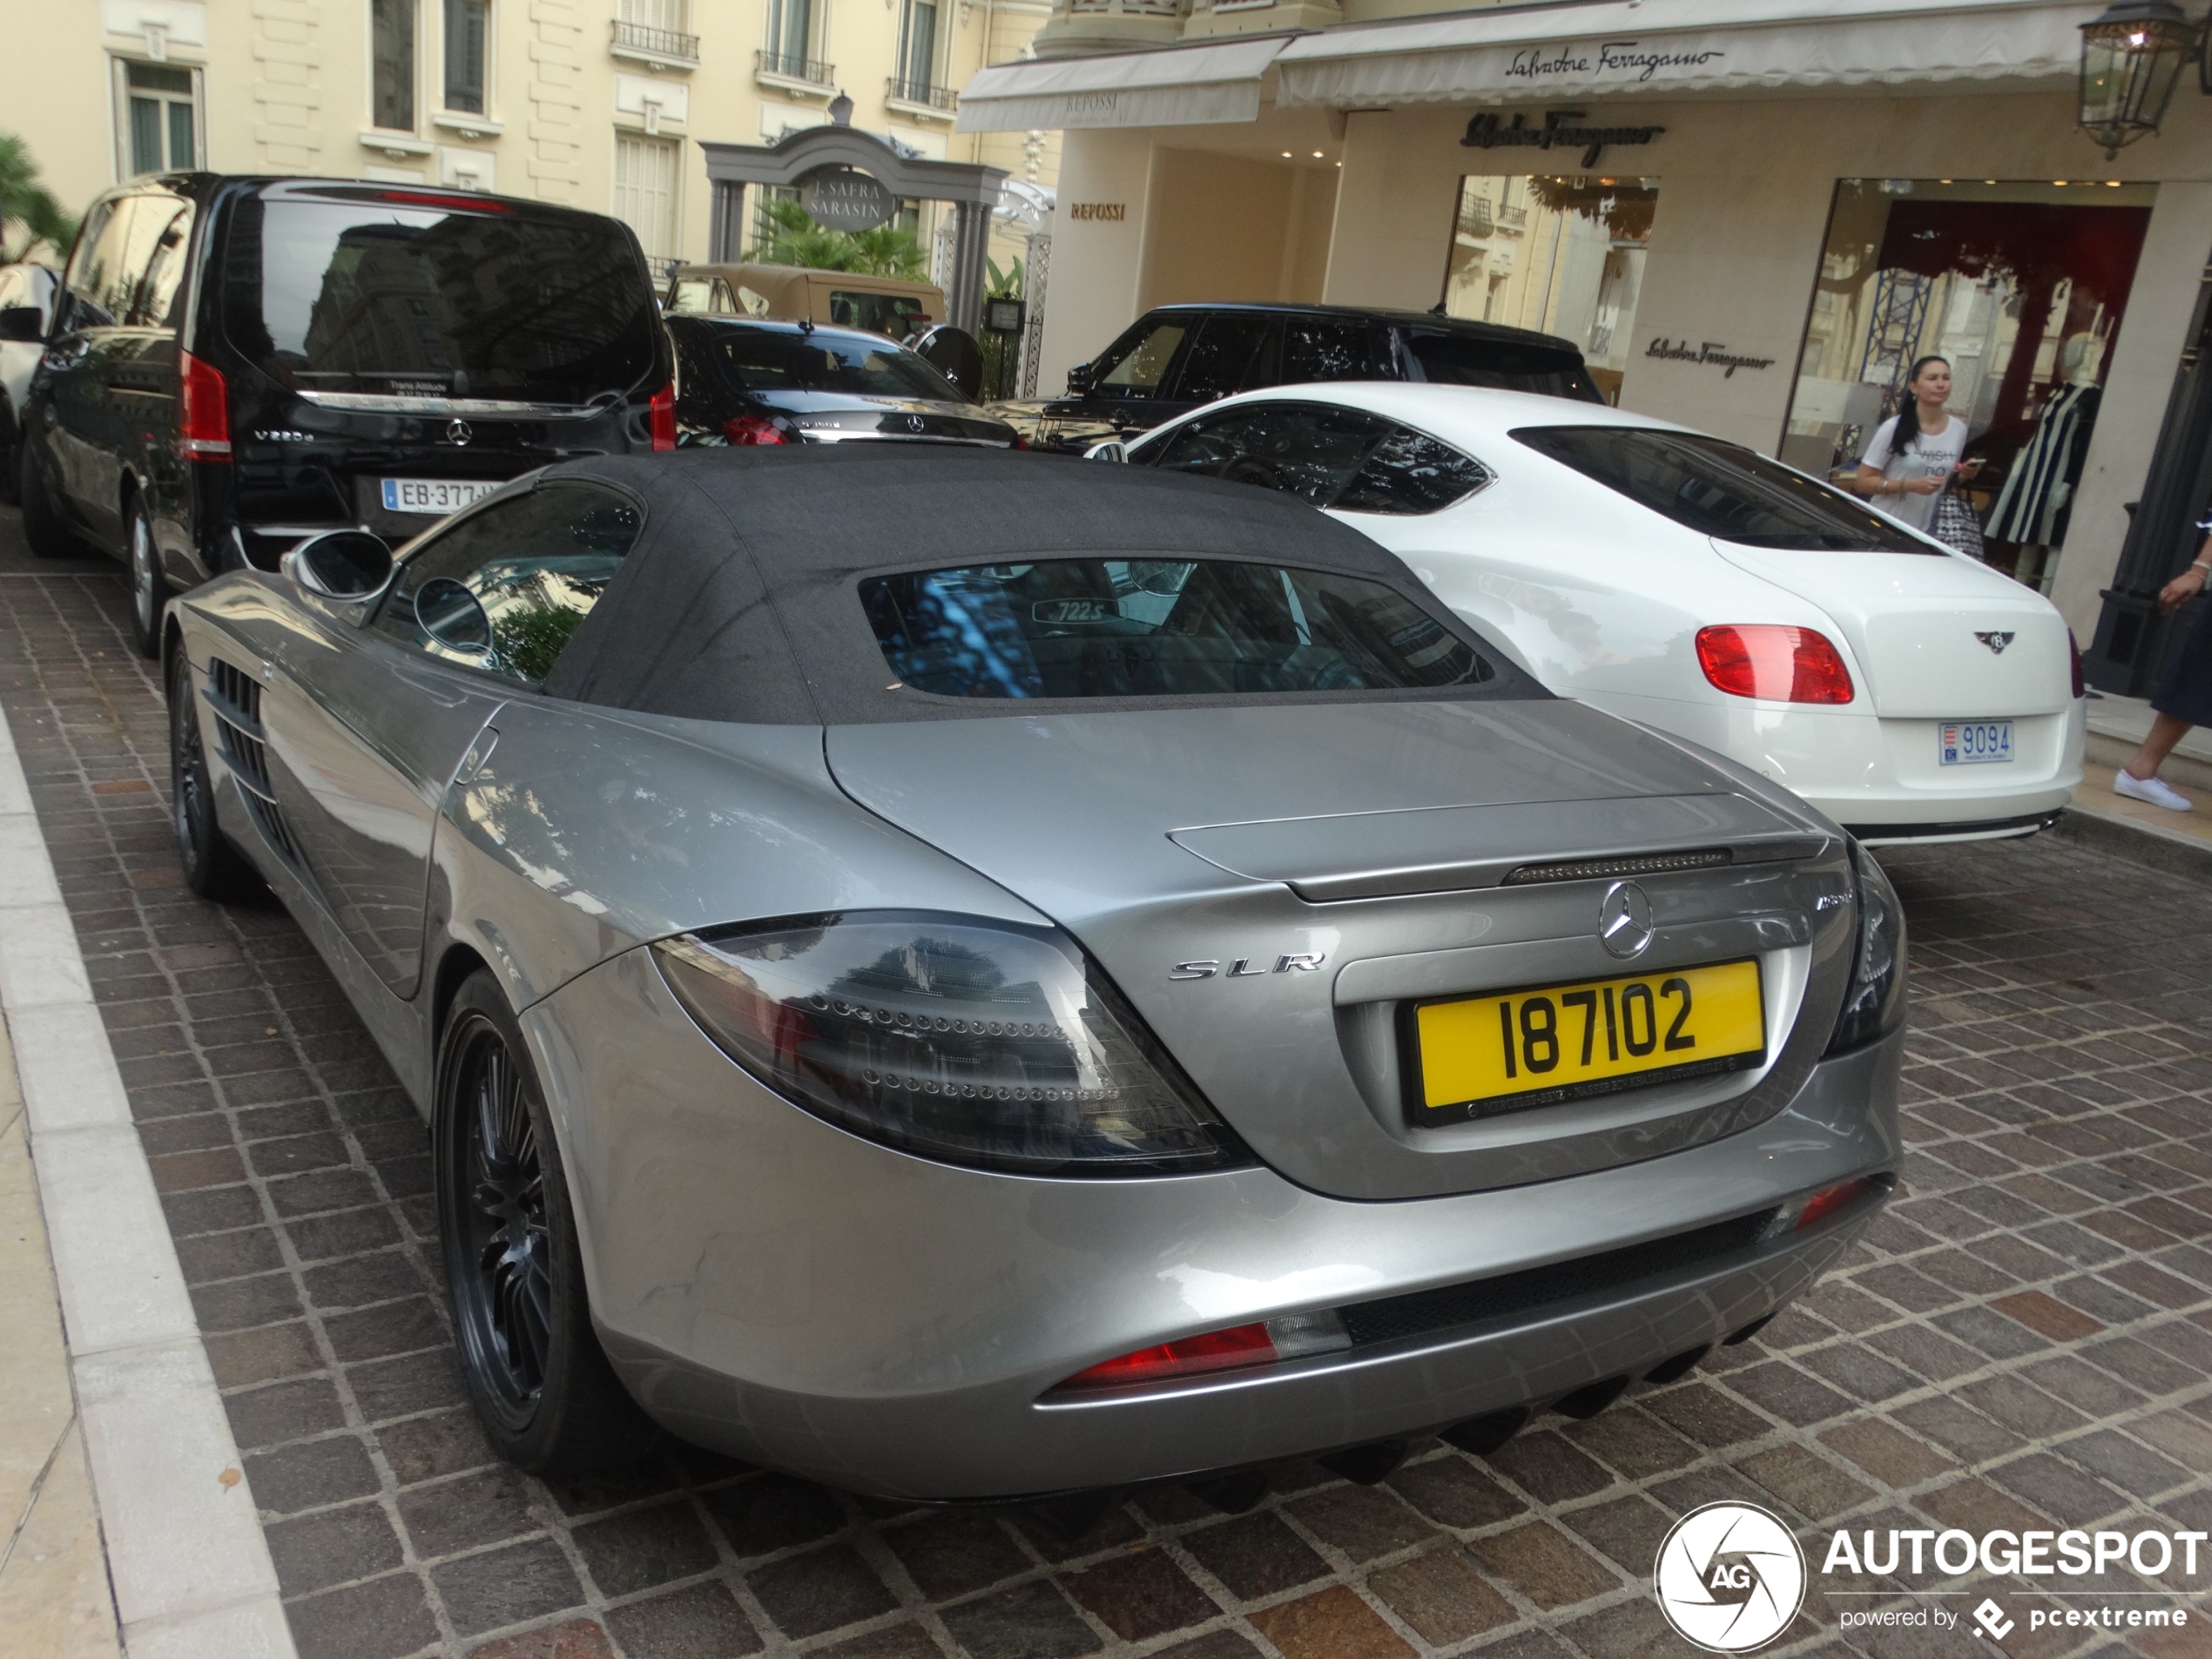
1483,1055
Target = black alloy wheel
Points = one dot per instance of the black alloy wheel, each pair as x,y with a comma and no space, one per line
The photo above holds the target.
10,454
542,1388
41,526
148,585
213,867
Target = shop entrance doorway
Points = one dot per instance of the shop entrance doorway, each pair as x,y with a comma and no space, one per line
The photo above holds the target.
2021,288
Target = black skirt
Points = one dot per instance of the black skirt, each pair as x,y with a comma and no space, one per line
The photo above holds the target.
2186,693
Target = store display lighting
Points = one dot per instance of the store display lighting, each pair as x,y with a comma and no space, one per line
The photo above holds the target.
2131,58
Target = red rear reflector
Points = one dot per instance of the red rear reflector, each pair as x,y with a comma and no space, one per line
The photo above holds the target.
2074,651
1776,663
1826,1202
752,428
1241,1345
203,410
660,414
452,204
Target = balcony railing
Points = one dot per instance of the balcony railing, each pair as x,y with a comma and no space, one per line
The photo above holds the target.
813,70
655,42
906,92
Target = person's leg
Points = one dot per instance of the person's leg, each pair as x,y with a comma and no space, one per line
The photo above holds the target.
2165,731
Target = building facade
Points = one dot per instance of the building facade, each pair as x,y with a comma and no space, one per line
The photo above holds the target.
1751,215
592,102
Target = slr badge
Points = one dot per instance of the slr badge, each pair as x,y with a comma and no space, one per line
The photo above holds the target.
1996,642
1624,919
1243,968
458,433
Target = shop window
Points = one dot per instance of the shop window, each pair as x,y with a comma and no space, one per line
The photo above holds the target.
465,26
160,108
2021,288
391,49
1561,254
645,192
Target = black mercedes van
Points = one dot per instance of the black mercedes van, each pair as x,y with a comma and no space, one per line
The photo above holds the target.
236,364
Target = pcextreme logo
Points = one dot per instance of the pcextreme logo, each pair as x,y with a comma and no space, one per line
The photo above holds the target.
1729,1577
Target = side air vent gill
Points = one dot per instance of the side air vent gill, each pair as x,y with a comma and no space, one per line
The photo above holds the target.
235,696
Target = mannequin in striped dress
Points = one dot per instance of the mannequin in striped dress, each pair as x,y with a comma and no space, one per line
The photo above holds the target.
2030,509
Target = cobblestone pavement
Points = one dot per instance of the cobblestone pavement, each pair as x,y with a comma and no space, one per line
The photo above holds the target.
2024,1341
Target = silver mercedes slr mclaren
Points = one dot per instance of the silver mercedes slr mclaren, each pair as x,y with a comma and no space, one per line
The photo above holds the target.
969,977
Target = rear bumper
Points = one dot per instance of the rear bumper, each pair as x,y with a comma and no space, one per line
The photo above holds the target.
1881,777
772,1287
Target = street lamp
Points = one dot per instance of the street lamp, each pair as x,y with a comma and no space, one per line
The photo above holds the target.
2131,58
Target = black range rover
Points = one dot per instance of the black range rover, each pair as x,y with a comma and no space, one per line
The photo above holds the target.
235,364
1175,358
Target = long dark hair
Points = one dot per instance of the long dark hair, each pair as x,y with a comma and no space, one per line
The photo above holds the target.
1909,429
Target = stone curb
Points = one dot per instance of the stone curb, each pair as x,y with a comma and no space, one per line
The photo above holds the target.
186,1558
2167,851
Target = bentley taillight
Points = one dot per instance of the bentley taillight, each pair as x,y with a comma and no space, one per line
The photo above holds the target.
1773,663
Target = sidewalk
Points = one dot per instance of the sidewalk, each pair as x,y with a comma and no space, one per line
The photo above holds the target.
54,1598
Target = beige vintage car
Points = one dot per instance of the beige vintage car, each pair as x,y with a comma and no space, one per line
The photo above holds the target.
892,305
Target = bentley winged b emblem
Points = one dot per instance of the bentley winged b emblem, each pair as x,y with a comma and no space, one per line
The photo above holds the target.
1996,642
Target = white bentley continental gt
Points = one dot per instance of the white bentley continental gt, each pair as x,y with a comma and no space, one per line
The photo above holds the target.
1693,584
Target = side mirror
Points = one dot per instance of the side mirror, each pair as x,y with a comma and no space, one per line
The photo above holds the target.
21,323
1079,379
452,615
1112,449
344,565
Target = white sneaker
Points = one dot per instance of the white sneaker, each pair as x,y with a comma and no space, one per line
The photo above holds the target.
2153,790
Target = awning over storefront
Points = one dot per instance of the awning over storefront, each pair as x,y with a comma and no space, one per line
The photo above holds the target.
1665,46
1179,86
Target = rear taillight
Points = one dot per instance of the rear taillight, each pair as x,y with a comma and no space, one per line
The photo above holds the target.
203,410
2074,655
455,203
753,429
1237,1348
1826,1202
1773,663
660,416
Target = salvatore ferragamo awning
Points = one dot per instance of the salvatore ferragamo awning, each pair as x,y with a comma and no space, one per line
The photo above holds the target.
1176,86
1665,46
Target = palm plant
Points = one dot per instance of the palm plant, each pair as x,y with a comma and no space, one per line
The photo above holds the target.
24,200
795,239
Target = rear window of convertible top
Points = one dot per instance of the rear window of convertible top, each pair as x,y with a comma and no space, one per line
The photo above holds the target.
1104,627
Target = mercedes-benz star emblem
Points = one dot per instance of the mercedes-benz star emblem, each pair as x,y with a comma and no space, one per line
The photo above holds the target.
457,433
1624,919
915,424
1996,642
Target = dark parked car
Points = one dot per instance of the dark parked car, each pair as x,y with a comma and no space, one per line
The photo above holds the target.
1175,358
756,381
235,364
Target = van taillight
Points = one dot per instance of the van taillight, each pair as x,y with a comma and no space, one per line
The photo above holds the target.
661,416
203,410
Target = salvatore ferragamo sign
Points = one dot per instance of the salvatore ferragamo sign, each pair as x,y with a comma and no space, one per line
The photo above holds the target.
1704,351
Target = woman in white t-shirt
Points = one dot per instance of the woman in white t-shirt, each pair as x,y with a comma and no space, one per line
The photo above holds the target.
1916,449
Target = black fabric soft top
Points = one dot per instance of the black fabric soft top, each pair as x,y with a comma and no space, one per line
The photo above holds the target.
741,601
